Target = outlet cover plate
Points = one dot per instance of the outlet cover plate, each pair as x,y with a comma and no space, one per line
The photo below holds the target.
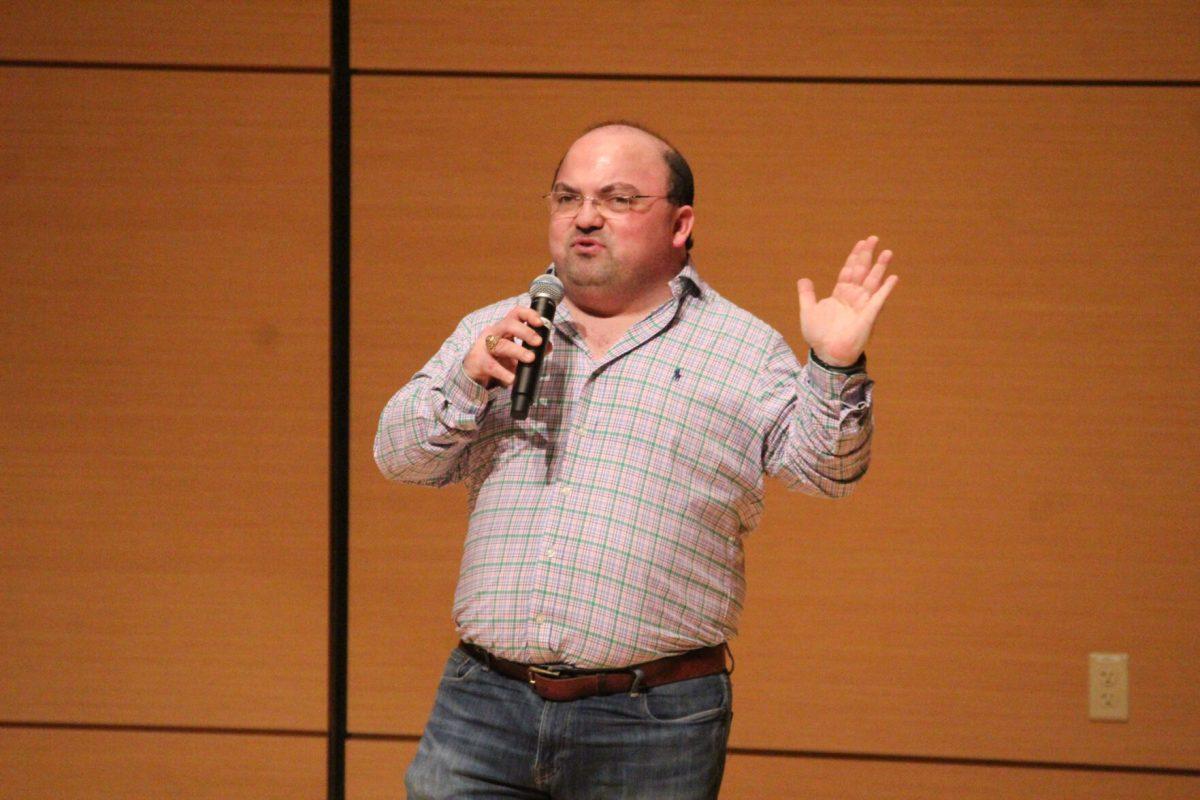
1108,686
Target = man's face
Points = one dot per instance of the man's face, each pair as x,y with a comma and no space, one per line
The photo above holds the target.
598,251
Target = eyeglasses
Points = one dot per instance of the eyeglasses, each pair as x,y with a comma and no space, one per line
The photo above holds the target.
568,204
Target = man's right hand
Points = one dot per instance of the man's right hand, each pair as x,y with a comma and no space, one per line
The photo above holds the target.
485,368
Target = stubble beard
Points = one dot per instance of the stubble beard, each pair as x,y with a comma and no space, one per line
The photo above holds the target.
589,271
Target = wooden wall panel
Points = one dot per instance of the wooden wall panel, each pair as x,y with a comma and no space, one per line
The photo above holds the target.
1031,496
39,764
165,395
750,777
258,33
375,771
1080,40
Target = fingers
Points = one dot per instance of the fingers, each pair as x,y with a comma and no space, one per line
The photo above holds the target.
875,277
858,270
525,314
494,369
485,366
510,350
519,324
875,305
498,364
847,272
865,253
858,263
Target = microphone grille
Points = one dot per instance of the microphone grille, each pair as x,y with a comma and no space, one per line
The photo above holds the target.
548,286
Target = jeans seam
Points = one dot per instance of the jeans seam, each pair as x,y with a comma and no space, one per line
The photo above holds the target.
472,666
543,775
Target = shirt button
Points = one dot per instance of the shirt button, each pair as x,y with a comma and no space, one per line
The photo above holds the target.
566,489
539,619
550,553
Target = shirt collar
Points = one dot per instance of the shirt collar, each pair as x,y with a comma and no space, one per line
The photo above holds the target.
688,276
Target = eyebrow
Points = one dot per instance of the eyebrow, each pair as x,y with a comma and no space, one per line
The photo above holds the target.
612,187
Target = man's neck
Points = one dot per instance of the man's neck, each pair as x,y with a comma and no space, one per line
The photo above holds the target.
601,306
601,326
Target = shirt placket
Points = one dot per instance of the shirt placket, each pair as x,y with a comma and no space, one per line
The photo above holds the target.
548,604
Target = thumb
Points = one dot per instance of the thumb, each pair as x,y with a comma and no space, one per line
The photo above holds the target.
808,298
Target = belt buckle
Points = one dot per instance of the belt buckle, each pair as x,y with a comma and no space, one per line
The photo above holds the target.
544,672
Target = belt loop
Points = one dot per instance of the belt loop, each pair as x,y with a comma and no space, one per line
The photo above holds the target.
638,677
729,652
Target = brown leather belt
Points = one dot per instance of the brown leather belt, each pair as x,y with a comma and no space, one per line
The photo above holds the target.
561,683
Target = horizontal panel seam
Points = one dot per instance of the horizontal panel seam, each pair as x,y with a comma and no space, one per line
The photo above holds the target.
130,728
743,751
798,79
1014,763
889,757
550,76
135,66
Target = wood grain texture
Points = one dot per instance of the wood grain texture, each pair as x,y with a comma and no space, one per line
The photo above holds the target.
877,39
277,33
165,397
375,771
1032,492
750,777
42,764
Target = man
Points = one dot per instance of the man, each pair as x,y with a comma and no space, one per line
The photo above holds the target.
602,573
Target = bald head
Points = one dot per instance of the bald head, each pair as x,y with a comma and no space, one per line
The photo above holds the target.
679,185
617,257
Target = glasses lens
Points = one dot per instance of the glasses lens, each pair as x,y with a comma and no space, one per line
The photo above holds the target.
563,202
619,203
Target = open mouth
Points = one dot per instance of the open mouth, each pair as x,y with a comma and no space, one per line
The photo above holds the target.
586,245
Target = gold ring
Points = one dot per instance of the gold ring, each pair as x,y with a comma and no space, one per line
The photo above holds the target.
490,342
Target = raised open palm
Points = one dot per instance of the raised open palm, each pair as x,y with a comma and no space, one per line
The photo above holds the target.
838,327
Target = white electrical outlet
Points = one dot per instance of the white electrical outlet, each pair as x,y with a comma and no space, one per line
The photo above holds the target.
1108,686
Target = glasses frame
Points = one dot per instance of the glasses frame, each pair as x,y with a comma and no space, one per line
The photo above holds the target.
601,203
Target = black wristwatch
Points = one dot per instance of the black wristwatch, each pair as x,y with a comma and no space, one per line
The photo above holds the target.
858,366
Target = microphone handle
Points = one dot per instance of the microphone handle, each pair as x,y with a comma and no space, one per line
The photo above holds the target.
525,384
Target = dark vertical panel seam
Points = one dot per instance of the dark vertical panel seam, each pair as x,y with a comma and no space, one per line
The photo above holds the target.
339,393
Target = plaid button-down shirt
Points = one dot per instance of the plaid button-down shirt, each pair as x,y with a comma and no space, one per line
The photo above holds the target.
606,528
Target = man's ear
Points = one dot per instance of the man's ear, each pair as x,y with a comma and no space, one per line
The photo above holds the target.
685,217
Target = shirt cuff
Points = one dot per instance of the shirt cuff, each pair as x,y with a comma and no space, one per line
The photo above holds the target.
858,366
464,394
852,390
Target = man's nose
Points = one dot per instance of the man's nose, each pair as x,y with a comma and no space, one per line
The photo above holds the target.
589,215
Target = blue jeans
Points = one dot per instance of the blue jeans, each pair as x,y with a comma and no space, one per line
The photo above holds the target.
491,736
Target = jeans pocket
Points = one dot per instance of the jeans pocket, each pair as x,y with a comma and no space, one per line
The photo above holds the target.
695,700
459,666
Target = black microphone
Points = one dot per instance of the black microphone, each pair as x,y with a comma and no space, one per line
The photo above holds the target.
545,293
